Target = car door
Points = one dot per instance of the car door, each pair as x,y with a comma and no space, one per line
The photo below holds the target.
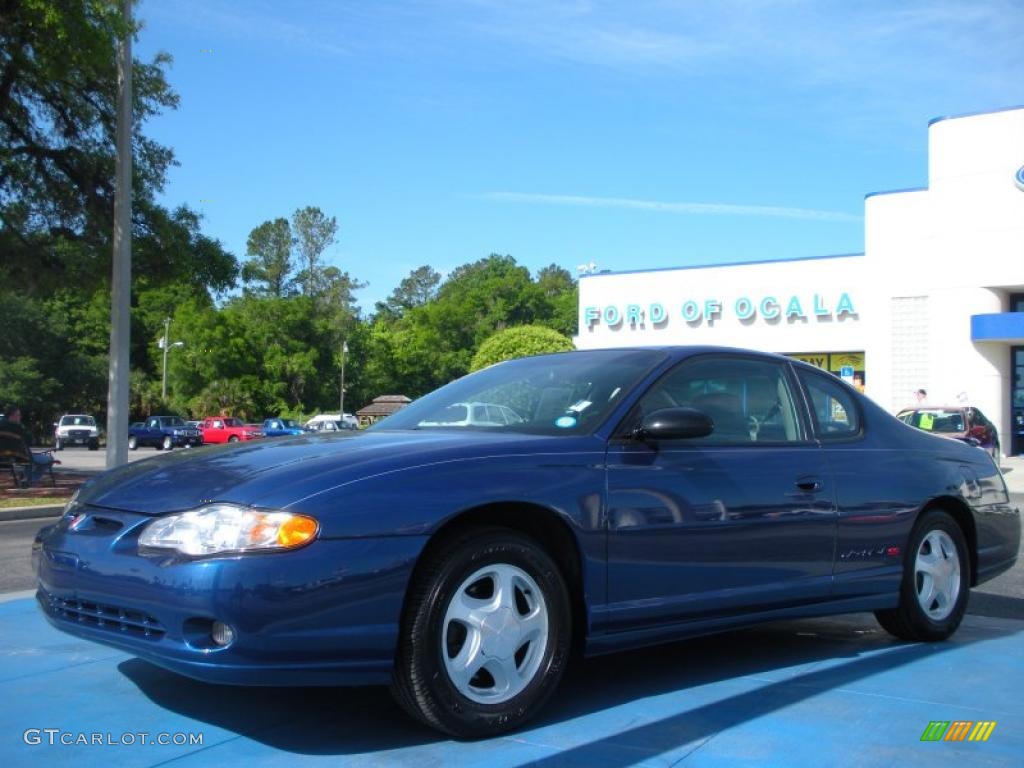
740,520
153,434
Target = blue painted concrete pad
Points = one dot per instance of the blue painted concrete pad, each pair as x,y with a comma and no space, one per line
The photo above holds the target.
809,693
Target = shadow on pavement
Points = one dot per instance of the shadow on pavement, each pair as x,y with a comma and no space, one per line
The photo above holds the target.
776,665
996,606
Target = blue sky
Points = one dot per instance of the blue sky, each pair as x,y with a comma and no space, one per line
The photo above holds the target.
635,135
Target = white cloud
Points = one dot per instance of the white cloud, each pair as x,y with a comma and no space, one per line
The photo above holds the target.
686,208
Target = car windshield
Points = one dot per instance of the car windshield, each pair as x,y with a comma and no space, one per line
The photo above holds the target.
568,393
935,420
77,421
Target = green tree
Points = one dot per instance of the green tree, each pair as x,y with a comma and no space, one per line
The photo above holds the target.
433,342
521,341
314,232
414,291
58,86
561,294
270,264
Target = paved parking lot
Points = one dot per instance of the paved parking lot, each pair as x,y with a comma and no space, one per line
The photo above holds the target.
775,695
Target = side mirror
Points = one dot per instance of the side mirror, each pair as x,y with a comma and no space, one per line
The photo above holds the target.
675,424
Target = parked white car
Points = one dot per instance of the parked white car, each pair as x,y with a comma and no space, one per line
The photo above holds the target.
76,429
347,420
474,415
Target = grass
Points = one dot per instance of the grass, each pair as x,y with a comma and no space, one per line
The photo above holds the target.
33,501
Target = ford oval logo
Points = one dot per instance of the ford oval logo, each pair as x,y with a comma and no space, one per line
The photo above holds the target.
1019,178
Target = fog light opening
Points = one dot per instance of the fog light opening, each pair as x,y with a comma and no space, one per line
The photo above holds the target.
222,634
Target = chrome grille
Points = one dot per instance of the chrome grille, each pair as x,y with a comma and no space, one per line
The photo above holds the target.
109,617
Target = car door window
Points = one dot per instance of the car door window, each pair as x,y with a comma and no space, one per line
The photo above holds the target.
153,424
749,401
833,407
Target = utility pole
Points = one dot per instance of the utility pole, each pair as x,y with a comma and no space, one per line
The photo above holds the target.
166,345
344,354
121,273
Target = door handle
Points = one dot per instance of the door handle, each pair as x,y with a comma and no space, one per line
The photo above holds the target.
809,484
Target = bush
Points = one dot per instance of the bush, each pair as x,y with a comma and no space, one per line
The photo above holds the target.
521,341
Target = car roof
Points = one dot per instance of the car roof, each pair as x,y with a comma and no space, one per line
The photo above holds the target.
936,408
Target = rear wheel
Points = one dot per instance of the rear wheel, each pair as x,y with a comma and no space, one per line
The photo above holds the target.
936,581
485,636
133,443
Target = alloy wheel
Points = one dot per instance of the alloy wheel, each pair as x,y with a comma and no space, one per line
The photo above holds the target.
937,575
495,633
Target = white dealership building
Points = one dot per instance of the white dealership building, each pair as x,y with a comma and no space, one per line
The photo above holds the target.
935,302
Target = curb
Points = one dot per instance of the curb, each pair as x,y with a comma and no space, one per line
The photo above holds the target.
30,513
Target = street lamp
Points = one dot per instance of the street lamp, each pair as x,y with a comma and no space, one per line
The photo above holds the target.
165,346
344,353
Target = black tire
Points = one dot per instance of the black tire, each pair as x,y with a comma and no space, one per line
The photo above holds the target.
233,439
168,443
133,443
421,682
908,620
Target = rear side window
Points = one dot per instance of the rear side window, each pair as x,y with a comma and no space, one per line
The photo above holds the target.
835,412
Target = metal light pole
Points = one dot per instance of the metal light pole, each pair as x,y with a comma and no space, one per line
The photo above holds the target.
121,274
165,342
344,354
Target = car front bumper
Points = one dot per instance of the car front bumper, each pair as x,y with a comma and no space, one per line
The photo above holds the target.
326,614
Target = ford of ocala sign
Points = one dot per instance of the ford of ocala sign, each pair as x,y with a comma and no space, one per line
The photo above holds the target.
745,308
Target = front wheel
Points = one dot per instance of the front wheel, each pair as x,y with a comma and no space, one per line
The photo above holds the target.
168,443
233,439
936,581
133,443
485,635
57,445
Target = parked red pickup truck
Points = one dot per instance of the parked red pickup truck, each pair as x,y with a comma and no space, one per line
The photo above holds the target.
227,429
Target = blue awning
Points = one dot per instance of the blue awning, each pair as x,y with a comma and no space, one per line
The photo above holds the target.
999,326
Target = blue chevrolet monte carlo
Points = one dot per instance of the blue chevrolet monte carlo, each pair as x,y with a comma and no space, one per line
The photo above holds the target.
610,499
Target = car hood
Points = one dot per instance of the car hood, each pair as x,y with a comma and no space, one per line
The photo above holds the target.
276,473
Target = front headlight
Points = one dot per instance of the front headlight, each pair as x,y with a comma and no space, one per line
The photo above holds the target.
221,528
